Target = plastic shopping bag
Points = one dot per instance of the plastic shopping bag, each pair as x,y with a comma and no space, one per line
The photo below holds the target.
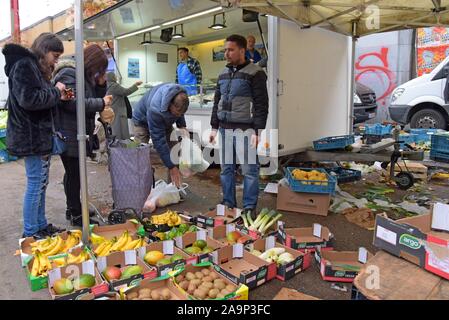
191,160
162,195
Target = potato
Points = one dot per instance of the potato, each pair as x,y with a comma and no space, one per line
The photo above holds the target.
230,288
220,285
184,284
190,276
206,272
219,280
180,278
155,295
166,294
213,293
213,276
145,293
191,288
208,279
220,296
199,275
208,285
131,296
199,294
196,282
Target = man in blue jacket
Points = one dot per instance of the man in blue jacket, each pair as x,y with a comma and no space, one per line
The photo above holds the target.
154,116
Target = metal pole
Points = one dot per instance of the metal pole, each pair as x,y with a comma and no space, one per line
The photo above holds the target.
352,82
81,115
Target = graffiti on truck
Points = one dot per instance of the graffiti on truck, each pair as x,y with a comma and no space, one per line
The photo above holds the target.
376,63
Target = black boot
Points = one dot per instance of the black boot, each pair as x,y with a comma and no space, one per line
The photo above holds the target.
77,221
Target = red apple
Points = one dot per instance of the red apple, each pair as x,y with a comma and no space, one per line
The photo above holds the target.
112,273
243,239
233,236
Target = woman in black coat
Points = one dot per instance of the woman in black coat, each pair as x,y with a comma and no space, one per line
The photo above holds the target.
95,65
31,102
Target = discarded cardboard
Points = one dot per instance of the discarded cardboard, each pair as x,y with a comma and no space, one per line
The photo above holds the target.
292,294
386,277
283,272
418,170
309,203
341,266
414,240
241,267
364,217
305,239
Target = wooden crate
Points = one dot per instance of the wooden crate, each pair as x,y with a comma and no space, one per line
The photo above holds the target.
418,170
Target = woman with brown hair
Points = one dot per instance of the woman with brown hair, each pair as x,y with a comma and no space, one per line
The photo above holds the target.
95,65
32,99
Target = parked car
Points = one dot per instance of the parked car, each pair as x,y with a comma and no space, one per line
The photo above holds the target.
365,104
420,102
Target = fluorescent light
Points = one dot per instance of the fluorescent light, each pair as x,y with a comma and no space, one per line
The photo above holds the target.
199,14
137,32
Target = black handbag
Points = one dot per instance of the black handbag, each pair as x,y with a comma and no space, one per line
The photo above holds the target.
129,109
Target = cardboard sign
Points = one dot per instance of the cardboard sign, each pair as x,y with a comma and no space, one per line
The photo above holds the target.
221,210
169,247
201,235
317,230
237,250
271,188
130,258
363,255
440,217
270,243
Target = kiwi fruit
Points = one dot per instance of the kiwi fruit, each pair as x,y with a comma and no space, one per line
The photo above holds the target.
213,293
230,288
196,282
199,275
180,278
208,285
206,272
208,279
191,288
220,285
184,285
132,295
166,294
190,276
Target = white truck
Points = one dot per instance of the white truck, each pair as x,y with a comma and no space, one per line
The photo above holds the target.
420,102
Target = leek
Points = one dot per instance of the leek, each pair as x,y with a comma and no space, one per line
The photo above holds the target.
245,222
266,220
268,225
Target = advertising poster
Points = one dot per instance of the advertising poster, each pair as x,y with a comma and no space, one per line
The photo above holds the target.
133,68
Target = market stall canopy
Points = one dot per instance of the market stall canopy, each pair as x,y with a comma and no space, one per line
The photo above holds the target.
136,16
353,17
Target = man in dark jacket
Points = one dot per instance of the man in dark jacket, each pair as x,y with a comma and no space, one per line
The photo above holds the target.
95,101
155,114
240,111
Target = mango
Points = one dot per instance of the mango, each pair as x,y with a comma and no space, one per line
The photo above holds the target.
131,271
84,281
63,286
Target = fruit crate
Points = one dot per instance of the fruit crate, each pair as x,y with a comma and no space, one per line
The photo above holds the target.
439,156
378,129
424,135
407,139
333,143
345,175
311,186
440,143
373,138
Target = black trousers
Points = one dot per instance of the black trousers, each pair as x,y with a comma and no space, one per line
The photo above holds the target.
72,185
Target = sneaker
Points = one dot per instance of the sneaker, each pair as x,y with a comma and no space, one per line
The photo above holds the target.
51,230
78,221
40,235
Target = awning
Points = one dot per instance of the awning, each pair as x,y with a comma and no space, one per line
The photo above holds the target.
353,17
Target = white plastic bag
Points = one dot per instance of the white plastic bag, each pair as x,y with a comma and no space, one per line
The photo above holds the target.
162,195
191,160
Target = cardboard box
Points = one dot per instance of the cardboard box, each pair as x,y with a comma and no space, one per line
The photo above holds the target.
111,231
123,260
70,272
219,216
310,203
414,240
104,296
133,237
26,253
241,292
272,231
342,266
289,270
168,249
154,285
241,267
306,239
220,234
189,238
292,294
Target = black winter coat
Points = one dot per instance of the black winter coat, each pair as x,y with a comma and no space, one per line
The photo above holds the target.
66,73
31,101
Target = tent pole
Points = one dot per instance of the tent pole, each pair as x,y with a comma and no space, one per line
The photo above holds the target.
81,116
352,82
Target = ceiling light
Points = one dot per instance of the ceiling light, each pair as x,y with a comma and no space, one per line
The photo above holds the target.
199,14
91,26
146,42
179,33
138,32
216,25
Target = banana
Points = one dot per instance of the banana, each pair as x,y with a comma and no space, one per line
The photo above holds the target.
45,242
44,245
35,268
60,262
44,263
96,239
101,247
106,250
120,242
140,244
71,241
71,259
131,245
56,249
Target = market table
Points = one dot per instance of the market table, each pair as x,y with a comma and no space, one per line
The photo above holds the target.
400,280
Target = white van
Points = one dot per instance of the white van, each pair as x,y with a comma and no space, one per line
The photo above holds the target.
420,102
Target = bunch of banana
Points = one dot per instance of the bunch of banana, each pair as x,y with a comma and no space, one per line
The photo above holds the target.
72,259
170,218
41,265
55,245
135,244
104,249
72,240
96,239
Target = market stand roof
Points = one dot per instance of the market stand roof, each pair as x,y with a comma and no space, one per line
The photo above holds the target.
353,17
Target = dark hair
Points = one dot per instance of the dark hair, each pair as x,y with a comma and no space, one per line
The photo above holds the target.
183,49
45,43
95,62
239,40
181,102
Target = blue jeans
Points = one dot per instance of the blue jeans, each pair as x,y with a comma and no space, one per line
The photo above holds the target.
37,171
237,150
